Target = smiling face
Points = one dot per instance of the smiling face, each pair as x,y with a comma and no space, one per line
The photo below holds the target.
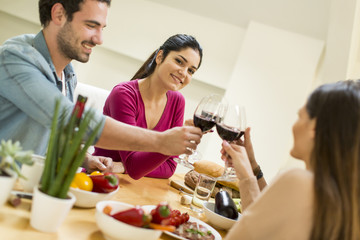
77,38
176,70
304,134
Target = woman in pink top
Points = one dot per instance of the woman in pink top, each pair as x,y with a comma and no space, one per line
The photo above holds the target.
151,100
321,202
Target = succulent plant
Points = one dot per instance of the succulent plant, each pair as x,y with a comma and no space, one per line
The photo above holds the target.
12,157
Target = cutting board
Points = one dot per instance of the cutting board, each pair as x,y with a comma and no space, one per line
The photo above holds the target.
180,185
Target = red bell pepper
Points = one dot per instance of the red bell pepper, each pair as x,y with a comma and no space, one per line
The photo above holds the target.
133,216
104,183
160,213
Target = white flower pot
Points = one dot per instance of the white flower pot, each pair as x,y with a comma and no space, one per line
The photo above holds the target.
6,185
47,212
32,173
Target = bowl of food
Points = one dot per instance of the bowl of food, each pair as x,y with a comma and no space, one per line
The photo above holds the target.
114,229
216,219
90,189
88,199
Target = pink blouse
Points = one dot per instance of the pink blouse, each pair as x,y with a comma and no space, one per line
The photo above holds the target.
125,104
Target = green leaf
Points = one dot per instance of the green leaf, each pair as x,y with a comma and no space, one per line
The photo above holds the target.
12,157
51,151
65,151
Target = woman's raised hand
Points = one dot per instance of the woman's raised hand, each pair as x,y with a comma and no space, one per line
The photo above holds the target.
248,146
237,157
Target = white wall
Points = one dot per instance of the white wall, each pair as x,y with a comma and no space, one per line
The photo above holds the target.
353,71
11,26
272,77
306,17
221,41
338,41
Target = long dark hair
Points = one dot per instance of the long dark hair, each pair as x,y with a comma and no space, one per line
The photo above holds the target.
176,43
70,6
335,160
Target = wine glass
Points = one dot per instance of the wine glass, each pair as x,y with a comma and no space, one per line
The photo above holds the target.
230,125
204,118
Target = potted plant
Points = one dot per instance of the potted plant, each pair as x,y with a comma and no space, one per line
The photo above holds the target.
66,152
11,159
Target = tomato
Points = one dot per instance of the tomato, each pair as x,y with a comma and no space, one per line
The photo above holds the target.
186,216
177,220
83,181
96,173
175,213
169,221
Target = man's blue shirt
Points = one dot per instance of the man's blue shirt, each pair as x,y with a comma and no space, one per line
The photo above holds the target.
29,88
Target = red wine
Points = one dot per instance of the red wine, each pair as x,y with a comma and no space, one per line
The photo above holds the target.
241,133
228,133
205,123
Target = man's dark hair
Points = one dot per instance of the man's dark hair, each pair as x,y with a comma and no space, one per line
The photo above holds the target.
70,6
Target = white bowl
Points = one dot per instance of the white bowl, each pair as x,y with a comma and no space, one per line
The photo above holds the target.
86,199
217,220
117,230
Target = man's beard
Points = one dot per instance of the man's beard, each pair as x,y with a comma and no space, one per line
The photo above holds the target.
66,41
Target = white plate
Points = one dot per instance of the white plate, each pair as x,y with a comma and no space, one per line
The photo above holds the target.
216,234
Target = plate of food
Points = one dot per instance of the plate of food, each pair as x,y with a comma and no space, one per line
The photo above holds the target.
193,228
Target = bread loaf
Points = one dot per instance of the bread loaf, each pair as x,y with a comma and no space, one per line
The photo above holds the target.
209,168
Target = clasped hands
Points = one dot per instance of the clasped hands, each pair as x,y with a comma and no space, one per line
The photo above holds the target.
240,155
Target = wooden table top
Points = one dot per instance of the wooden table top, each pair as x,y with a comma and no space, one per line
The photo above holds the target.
81,224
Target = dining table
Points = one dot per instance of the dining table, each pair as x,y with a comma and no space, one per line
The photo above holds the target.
80,223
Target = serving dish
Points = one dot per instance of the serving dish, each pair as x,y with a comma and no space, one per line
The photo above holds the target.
217,220
87,199
216,234
117,230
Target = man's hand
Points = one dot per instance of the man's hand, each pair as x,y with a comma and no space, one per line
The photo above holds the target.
179,140
97,163
189,122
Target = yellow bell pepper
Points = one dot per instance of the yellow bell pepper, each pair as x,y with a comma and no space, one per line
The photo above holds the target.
82,181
